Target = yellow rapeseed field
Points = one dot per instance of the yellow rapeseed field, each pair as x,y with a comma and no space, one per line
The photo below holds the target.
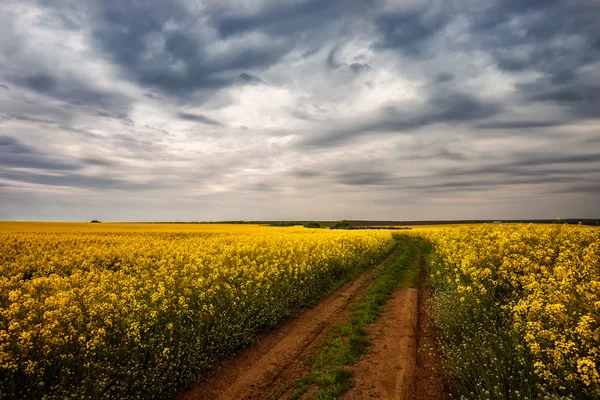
114,313
118,310
534,288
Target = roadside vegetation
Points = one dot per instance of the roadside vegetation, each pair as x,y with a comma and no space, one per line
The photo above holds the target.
517,309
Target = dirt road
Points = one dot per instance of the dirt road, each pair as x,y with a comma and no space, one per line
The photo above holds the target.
391,370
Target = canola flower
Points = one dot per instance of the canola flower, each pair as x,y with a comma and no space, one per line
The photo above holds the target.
140,315
518,307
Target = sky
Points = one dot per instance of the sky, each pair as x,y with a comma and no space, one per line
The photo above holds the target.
148,110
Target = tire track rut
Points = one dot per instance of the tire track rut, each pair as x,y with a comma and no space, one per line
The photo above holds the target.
401,363
276,360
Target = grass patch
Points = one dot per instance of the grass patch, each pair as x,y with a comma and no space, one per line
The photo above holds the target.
346,344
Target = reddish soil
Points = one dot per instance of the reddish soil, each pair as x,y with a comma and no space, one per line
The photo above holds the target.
429,381
401,363
389,370
267,368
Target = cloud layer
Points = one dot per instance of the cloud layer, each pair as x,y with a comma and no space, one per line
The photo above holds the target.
303,109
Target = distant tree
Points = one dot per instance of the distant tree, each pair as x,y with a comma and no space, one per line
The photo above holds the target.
342,225
312,224
95,221
283,223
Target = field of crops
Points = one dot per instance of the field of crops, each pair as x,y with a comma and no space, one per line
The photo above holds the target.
139,315
143,310
518,308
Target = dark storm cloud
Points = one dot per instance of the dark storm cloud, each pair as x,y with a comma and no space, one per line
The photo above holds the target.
409,30
40,83
525,169
553,38
473,180
261,187
444,77
359,67
141,147
97,161
350,174
334,64
28,69
198,118
440,154
570,159
589,188
286,18
542,22
250,78
76,93
540,171
578,165
3,86
148,41
15,157
558,96
26,118
331,61
484,184
581,96
115,115
14,154
165,46
364,178
441,107
519,124
76,180
304,173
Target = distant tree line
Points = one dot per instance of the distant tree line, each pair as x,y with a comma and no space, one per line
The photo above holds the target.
358,224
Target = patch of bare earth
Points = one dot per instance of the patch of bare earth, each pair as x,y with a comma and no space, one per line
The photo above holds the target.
388,372
430,382
400,364
267,368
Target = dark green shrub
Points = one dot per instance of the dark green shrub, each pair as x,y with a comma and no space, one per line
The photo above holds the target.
342,225
312,224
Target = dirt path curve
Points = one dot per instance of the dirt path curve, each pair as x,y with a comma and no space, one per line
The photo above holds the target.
277,359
